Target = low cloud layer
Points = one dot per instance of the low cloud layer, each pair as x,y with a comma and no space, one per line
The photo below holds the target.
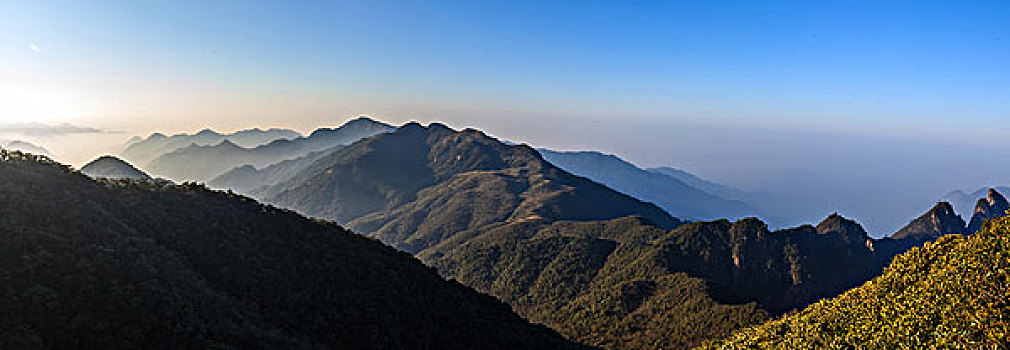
40,129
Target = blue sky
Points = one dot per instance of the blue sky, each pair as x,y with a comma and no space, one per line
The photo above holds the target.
745,92
790,62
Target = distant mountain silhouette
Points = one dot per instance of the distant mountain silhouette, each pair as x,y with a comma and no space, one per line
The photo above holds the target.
670,193
418,186
113,168
702,184
247,179
120,264
24,146
204,163
141,151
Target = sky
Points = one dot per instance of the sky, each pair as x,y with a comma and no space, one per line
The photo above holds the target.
864,107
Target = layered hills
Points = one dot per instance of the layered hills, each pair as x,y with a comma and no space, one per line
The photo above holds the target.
595,264
120,264
140,151
250,180
203,163
419,186
669,192
951,293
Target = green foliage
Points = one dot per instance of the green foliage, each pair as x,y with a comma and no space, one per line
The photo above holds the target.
600,283
122,264
952,293
625,283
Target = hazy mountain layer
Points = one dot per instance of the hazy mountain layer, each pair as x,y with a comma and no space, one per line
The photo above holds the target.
418,186
24,146
91,264
113,168
247,179
948,294
702,184
204,163
140,151
673,195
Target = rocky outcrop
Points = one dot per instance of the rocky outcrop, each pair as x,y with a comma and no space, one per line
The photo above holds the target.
994,205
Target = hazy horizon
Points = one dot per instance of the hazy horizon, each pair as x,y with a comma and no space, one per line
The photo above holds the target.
874,110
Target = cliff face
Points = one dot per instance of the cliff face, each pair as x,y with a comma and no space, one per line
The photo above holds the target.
938,221
993,206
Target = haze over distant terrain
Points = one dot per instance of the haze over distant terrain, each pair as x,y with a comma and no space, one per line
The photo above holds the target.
867,108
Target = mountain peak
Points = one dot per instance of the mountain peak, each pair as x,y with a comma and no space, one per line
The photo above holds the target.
995,198
113,168
994,205
207,134
938,221
850,230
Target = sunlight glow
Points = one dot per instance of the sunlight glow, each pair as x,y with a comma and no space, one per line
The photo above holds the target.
35,103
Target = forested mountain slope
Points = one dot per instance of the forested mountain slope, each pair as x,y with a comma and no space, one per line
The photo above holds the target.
118,264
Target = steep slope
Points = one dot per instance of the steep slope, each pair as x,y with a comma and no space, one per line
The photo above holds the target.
994,205
113,168
141,151
702,184
204,163
951,293
671,194
125,265
418,186
937,222
625,283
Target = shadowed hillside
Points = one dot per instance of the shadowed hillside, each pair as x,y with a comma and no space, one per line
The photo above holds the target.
118,264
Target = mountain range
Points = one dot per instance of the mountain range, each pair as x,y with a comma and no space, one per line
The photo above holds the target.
122,264
418,186
142,150
577,241
595,264
202,163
